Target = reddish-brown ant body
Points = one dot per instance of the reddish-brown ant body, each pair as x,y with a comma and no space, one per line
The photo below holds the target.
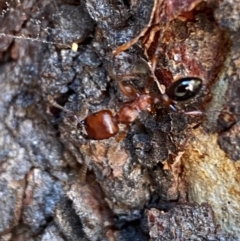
103,124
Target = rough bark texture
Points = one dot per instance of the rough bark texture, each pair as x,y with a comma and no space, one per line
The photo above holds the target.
149,181
212,158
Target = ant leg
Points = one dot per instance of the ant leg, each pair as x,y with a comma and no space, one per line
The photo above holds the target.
173,107
78,120
122,135
194,113
128,90
125,46
55,104
160,87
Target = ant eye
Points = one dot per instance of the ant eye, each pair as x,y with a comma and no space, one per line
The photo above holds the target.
185,88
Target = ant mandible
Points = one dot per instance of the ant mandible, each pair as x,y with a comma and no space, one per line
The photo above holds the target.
103,124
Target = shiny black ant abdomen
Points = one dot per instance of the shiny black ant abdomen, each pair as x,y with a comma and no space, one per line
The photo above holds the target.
185,88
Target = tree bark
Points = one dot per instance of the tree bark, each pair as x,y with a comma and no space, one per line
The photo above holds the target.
167,176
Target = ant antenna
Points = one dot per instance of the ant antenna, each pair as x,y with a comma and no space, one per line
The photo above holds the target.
152,69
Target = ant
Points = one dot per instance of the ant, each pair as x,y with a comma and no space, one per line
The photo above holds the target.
103,124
